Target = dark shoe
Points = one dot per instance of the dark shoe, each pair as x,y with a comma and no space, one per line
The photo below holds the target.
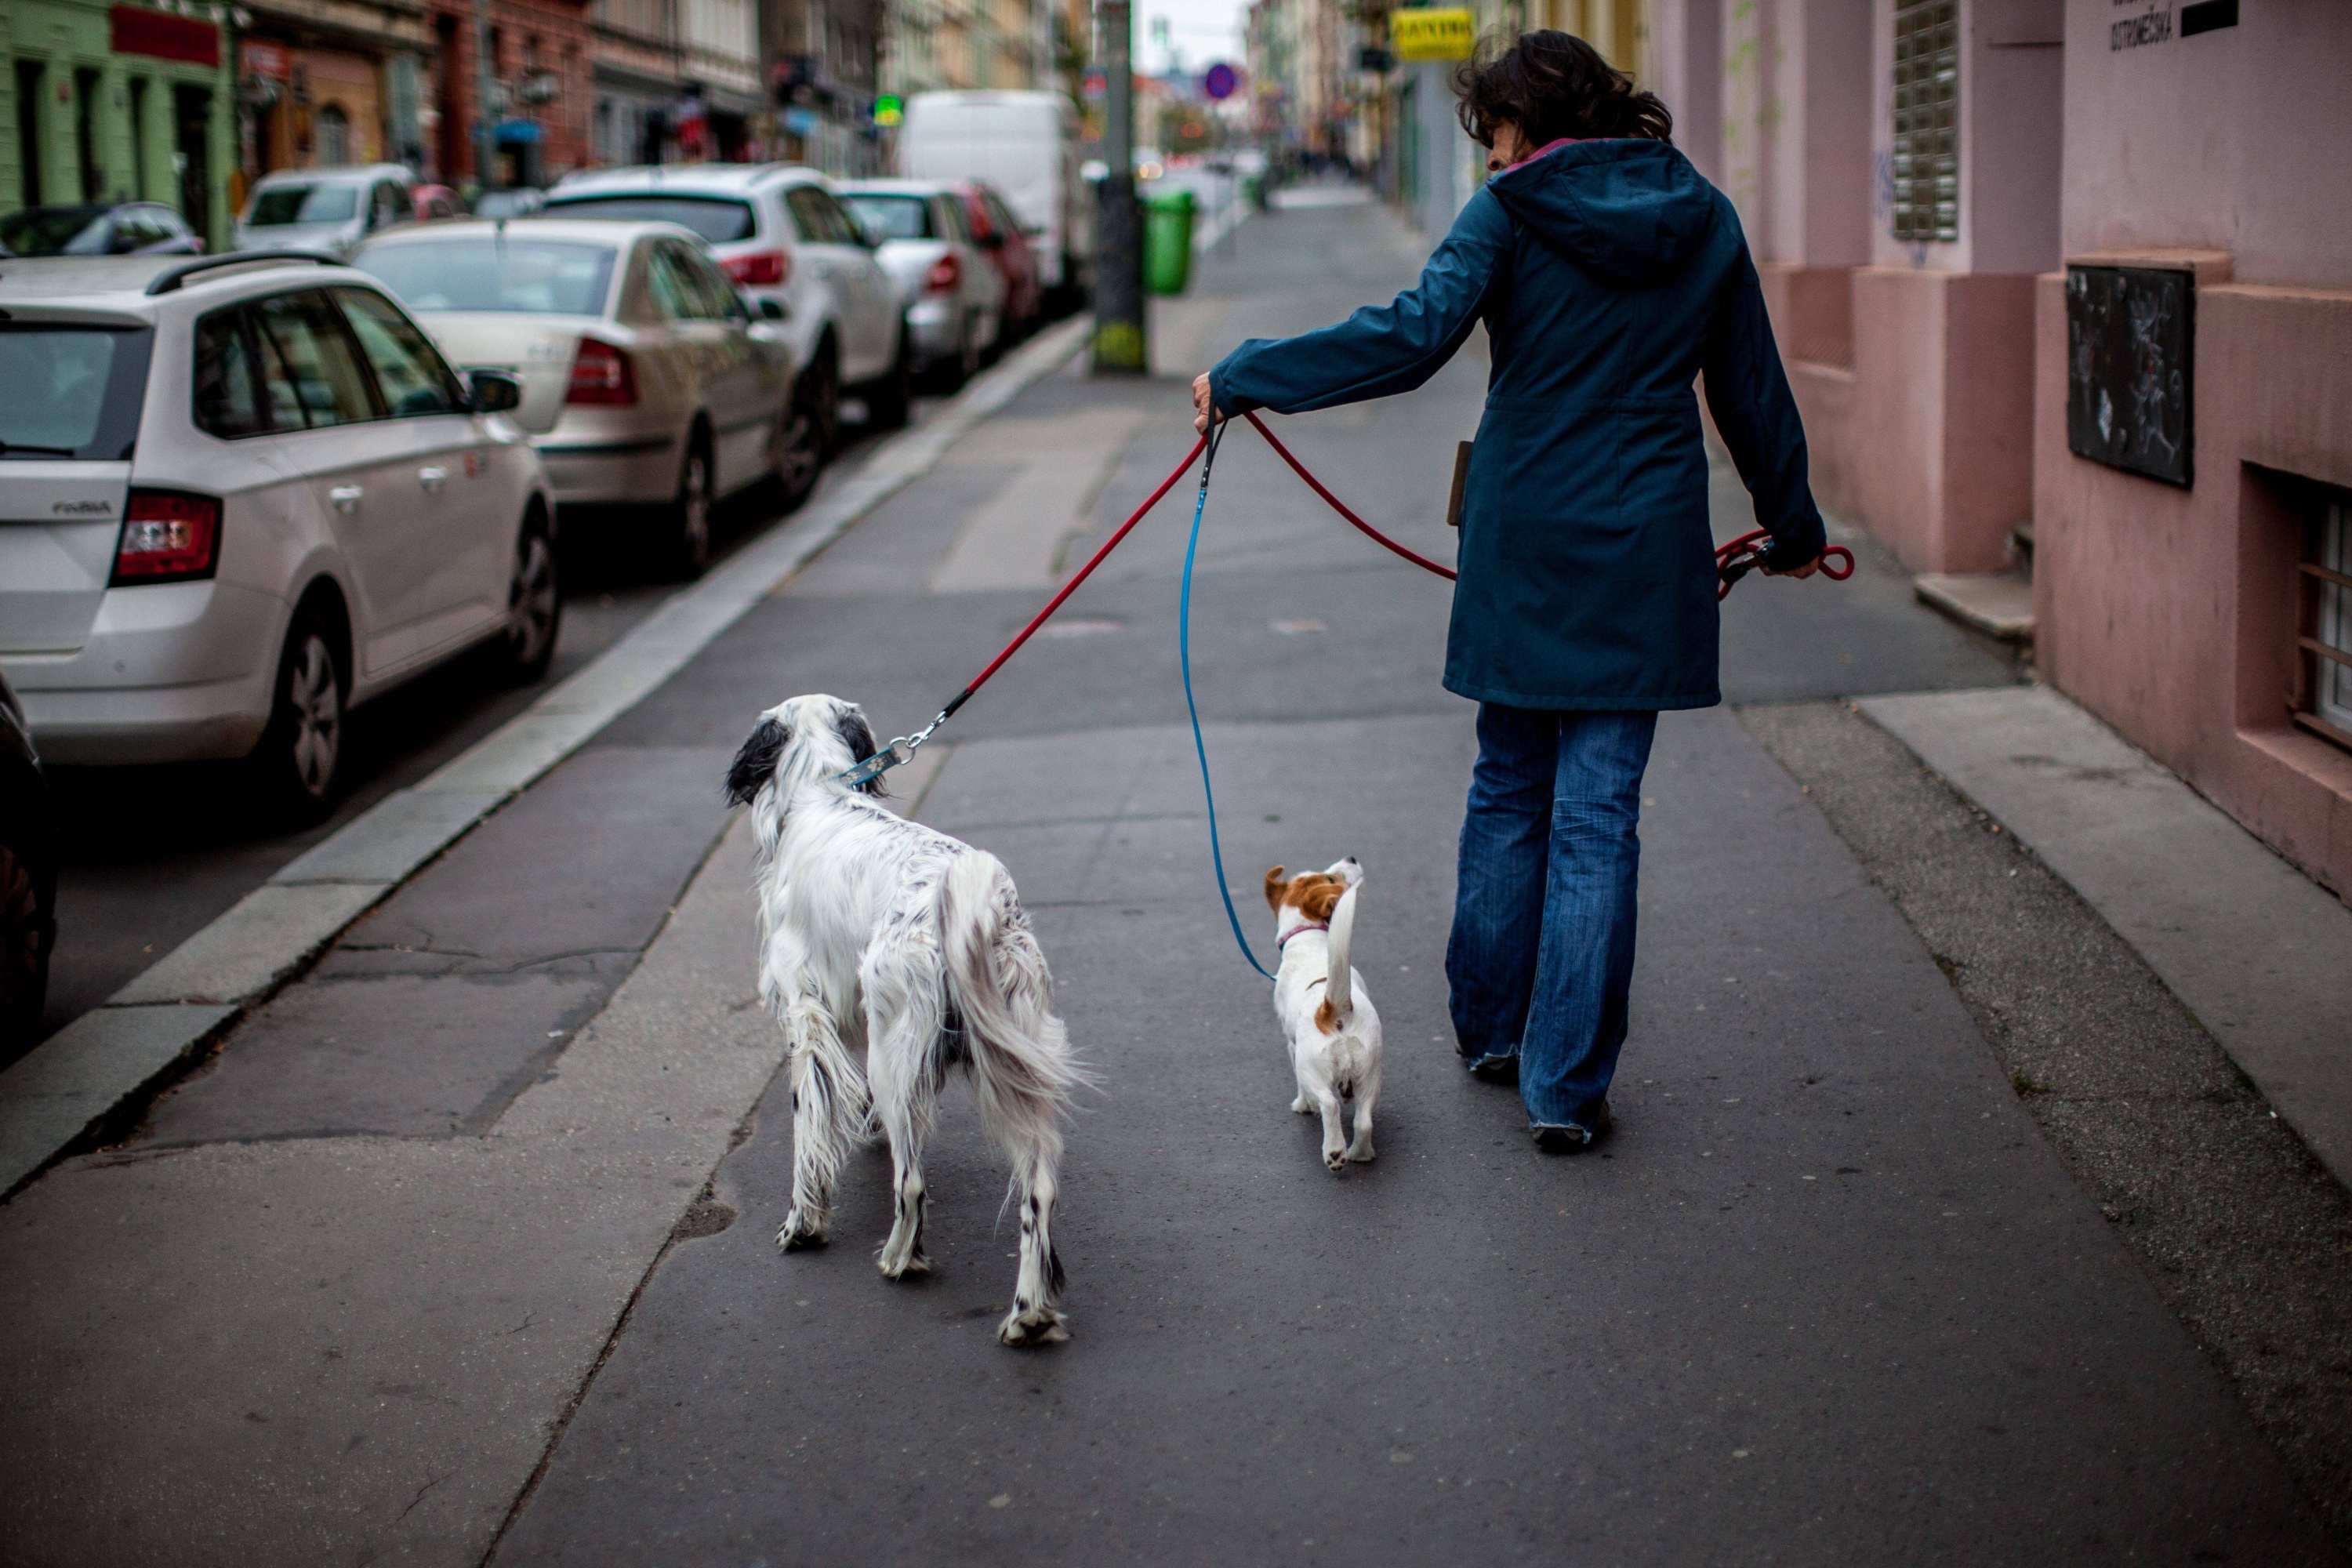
1574,1137
1498,1069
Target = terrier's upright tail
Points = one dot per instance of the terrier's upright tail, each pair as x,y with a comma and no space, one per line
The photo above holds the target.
1339,990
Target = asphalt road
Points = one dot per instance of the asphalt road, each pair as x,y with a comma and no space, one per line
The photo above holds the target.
460,1248
151,855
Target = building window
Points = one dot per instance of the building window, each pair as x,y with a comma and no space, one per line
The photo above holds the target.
138,138
2326,640
335,137
93,171
1928,121
32,151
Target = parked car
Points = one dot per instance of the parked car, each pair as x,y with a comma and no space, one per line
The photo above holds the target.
647,382
325,210
1027,145
781,235
997,231
28,882
952,295
431,201
128,228
512,200
237,496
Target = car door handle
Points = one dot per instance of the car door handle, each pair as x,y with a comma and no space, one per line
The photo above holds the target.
347,496
431,478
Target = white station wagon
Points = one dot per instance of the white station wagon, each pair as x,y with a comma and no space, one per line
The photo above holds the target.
238,495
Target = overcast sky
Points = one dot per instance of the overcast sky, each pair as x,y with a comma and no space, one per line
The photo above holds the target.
1202,31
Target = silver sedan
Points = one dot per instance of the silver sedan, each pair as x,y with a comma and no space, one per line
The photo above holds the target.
647,382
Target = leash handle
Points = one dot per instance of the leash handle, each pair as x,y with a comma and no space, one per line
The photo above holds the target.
1184,661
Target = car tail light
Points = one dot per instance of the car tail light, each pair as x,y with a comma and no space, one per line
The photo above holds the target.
946,273
168,536
762,268
602,374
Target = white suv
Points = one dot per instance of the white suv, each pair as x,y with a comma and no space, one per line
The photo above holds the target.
238,495
796,251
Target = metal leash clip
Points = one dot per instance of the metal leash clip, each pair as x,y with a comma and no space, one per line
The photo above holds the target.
891,756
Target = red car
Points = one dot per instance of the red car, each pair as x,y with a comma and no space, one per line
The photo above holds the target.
996,231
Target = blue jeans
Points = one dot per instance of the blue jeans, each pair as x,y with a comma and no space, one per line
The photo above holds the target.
1541,957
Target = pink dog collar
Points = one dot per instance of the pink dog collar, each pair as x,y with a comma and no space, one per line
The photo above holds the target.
1283,940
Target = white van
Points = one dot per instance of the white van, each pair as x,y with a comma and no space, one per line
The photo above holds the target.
1023,144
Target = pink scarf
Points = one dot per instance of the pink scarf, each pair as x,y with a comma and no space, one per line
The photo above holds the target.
1556,142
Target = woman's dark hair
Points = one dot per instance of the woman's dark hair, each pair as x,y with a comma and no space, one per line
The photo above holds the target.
1552,85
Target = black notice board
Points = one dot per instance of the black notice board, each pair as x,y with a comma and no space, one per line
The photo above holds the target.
2131,332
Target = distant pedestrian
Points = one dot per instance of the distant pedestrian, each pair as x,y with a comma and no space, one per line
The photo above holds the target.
1609,275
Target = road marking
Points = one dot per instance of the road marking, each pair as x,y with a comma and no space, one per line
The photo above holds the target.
76,1078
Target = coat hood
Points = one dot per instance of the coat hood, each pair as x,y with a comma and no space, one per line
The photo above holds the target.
1631,212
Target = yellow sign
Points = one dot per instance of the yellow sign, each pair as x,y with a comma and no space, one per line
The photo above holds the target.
1433,35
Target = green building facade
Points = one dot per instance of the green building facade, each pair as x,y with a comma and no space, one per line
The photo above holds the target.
103,102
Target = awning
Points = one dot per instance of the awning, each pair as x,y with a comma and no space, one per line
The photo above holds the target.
513,132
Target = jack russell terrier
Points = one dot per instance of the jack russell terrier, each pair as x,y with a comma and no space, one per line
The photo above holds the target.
1334,1033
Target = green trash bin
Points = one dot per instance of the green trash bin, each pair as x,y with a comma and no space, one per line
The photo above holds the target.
1168,241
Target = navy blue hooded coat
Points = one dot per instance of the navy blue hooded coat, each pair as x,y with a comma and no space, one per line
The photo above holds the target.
1609,275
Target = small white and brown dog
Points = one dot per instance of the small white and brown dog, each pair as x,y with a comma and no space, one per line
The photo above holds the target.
1334,1033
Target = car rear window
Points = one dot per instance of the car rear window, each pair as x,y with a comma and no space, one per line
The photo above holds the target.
303,204
893,217
525,277
51,231
71,390
717,219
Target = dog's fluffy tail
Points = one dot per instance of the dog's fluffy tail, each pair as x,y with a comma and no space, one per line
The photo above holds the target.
1021,1070
1340,989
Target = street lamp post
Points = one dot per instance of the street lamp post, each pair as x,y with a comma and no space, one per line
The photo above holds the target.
1121,345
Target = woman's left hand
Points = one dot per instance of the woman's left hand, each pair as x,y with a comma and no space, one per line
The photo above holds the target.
1800,573
1201,412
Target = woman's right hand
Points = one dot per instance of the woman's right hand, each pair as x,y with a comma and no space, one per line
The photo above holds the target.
1201,412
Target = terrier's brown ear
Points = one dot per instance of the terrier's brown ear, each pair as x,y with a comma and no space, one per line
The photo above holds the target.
1275,886
1320,900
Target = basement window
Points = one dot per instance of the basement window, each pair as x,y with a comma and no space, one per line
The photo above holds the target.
1928,121
2327,636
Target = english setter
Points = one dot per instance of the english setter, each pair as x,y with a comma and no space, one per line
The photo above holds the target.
879,933
1335,1031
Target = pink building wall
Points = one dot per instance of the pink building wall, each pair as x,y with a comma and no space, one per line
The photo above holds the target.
2172,613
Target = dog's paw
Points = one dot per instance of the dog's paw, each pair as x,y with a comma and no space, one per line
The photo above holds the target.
1303,1106
894,1268
1037,1326
1336,1159
801,1231
1361,1153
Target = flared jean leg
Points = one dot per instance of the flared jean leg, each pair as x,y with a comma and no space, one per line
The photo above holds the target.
1498,901
1576,1013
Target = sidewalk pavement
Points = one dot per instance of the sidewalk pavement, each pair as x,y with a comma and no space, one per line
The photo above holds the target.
446,1257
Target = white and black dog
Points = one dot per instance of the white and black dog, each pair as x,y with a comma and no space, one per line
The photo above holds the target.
876,931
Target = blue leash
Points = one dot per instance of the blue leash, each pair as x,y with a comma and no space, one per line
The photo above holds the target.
1184,658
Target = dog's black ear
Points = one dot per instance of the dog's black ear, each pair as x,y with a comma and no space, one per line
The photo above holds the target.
756,763
849,723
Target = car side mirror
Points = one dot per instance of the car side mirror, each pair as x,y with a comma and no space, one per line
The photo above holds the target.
772,309
495,391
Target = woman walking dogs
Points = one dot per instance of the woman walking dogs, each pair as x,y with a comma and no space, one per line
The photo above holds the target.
1609,276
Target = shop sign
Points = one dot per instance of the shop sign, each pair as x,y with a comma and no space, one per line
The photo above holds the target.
268,60
159,34
1429,34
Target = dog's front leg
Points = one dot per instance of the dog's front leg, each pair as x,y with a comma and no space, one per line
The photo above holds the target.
828,1114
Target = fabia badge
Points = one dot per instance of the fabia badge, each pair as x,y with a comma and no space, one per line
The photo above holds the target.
82,507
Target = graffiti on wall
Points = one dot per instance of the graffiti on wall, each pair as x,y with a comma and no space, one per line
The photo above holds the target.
2131,332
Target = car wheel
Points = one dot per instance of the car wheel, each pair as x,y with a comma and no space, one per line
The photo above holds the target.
534,606
301,750
689,514
27,932
888,400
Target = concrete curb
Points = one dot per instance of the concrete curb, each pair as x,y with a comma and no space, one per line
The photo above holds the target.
2258,951
82,1073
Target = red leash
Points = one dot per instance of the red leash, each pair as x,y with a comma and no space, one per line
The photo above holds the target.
1732,561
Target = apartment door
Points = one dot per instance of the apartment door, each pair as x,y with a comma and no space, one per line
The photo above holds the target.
192,143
